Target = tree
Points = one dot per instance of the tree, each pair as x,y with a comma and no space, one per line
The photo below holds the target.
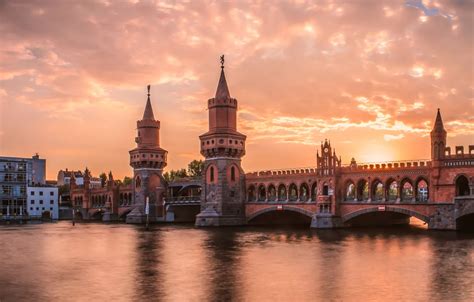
174,174
127,180
103,179
195,168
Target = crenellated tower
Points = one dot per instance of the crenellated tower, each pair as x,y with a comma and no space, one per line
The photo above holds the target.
148,160
223,193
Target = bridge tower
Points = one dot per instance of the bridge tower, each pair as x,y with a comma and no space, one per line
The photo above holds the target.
223,192
148,160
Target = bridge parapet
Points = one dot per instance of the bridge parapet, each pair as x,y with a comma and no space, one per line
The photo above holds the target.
281,172
391,165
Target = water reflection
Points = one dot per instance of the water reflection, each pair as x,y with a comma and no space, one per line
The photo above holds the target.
59,262
148,257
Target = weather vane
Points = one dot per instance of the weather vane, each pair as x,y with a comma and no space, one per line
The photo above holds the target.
148,87
222,61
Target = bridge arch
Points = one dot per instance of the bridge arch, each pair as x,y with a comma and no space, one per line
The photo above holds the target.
276,208
405,211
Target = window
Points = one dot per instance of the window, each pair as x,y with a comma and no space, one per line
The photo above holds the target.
37,208
212,174
32,193
51,201
41,193
41,202
42,208
32,202
232,174
51,193
31,208
50,209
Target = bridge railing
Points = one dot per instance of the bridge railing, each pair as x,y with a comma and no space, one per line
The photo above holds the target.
182,199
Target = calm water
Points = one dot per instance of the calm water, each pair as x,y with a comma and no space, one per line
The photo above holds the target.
58,262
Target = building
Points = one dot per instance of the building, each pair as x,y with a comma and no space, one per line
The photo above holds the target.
64,178
42,202
16,174
329,194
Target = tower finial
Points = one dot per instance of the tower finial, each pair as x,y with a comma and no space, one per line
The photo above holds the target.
222,61
148,87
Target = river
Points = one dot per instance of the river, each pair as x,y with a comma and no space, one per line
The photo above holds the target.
118,262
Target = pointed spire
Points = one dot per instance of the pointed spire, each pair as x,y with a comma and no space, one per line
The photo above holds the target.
148,114
438,125
111,177
222,89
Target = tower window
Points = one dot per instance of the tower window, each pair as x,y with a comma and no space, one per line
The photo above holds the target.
232,174
211,176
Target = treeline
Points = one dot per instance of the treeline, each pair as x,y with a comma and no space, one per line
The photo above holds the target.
194,170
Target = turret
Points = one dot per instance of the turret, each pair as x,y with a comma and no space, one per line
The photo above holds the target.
438,139
148,153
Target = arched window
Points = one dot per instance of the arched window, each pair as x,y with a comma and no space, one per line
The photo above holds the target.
462,186
138,182
293,190
377,191
407,193
362,190
314,191
325,189
251,193
350,191
211,174
282,196
271,193
304,192
422,191
262,195
232,173
392,190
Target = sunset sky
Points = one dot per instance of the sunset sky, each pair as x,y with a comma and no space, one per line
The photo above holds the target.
368,75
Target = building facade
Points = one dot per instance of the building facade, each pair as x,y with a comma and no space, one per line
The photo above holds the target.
42,202
16,174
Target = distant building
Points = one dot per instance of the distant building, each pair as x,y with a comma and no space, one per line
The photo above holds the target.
16,174
42,202
64,178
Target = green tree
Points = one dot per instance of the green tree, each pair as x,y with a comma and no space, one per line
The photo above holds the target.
195,168
127,180
103,179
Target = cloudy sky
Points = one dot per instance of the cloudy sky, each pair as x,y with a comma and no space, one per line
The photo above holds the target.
368,75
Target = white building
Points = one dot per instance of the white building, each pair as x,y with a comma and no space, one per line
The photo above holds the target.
42,199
